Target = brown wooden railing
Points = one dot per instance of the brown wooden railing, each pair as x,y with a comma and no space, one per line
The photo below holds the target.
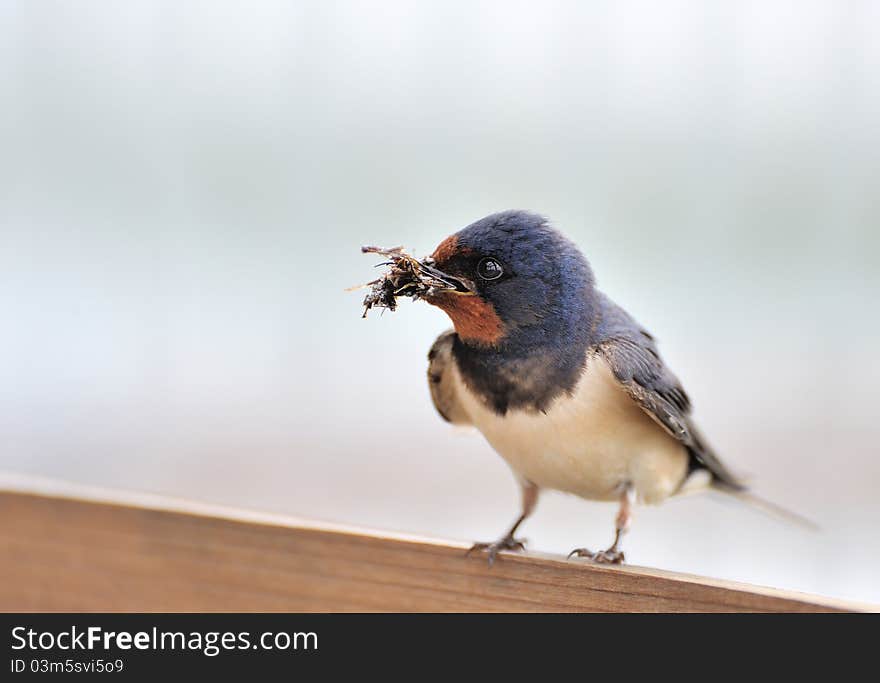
68,548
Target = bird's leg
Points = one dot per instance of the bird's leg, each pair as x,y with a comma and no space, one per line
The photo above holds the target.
613,555
508,541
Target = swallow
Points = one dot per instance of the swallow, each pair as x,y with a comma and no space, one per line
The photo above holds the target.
563,383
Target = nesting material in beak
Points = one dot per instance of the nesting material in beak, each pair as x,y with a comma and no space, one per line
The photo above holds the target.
408,276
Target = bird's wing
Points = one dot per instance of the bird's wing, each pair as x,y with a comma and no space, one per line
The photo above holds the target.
444,389
632,354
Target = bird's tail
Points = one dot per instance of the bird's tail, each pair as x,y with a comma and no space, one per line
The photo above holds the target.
766,506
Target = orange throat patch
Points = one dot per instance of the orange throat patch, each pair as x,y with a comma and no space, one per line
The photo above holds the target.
474,318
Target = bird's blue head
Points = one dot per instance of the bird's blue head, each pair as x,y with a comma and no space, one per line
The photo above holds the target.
519,283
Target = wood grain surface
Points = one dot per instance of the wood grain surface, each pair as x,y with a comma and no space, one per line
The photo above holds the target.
71,549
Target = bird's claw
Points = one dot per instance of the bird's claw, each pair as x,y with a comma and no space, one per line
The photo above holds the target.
609,556
506,543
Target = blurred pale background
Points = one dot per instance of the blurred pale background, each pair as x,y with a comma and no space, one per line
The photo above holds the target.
184,187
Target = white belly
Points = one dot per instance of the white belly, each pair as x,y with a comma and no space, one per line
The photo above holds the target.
591,444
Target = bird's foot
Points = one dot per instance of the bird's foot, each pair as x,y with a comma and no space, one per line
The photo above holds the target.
610,556
506,543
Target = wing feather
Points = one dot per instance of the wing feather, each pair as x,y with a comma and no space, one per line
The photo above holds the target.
441,382
632,354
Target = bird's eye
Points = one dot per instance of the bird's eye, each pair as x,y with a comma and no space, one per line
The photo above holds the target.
489,269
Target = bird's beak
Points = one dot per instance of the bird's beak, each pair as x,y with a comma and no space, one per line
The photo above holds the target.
443,282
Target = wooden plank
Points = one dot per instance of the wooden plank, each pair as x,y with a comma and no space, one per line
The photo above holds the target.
75,549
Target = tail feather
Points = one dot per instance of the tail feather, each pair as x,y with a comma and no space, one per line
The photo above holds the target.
766,506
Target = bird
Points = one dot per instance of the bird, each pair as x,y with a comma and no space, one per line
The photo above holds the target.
562,382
